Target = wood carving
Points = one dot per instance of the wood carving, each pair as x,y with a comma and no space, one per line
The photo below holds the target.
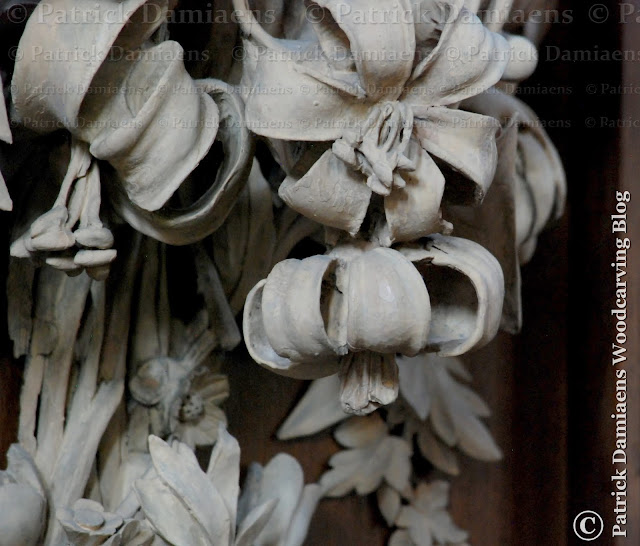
395,144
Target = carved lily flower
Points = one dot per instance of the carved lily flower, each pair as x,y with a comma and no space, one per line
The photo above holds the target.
141,112
352,310
385,95
538,176
87,523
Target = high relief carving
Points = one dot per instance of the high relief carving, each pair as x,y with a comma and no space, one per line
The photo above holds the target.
156,201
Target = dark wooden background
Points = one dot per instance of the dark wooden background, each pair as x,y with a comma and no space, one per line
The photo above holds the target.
551,388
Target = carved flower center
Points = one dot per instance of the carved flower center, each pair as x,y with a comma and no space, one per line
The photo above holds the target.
192,408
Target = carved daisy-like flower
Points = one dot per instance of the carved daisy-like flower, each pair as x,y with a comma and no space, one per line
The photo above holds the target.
199,415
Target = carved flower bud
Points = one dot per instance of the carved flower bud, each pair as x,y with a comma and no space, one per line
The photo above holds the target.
523,58
149,383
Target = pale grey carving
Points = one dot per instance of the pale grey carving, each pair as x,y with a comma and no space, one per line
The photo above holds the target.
396,145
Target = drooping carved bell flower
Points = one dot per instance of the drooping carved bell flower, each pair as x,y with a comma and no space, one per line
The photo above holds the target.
352,310
388,102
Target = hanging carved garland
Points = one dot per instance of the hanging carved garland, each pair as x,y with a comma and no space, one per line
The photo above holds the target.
397,144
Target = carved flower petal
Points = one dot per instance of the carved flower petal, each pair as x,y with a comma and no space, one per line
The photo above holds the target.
523,58
295,318
6,203
494,226
331,193
258,340
466,287
388,310
540,190
414,211
382,51
323,118
51,32
5,136
151,162
466,142
468,59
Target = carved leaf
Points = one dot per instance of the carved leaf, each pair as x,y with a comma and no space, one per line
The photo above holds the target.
453,410
375,457
437,453
168,515
254,523
5,129
281,480
299,525
319,409
281,470
180,471
224,471
426,520
389,503
133,533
